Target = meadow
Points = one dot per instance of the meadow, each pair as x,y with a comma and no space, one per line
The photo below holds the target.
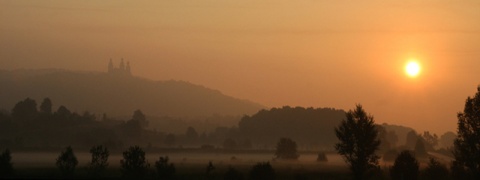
189,165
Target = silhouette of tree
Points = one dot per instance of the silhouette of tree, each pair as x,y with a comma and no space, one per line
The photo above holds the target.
430,140
435,171
459,171
405,167
67,161
420,150
262,171
140,117
46,106
233,174
133,163
165,170
382,137
170,139
467,143
358,142
63,113
447,139
6,166
99,161
286,149
25,110
229,143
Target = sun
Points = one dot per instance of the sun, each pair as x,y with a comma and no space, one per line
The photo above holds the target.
413,69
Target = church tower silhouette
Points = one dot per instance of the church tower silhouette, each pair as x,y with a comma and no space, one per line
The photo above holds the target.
122,70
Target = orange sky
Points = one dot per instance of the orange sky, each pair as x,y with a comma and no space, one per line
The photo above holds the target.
275,52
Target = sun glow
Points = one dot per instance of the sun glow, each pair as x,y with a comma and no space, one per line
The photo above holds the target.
412,69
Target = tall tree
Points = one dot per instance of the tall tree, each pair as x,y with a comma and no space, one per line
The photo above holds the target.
25,110
67,161
405,167
467,143
358,142
46,106
99,161
134,164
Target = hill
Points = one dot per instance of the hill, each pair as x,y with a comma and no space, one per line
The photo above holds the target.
118,95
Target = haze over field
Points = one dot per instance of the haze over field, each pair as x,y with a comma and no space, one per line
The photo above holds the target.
274,52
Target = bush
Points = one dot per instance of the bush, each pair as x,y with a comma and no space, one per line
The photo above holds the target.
322,157
6,166
286,149
436,171
67,162
405,167
134,164
262,171
99,160
165,170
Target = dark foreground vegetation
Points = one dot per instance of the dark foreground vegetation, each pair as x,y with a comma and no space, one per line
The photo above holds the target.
360,142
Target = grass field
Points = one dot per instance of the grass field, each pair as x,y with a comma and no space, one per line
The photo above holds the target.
188,165
193,165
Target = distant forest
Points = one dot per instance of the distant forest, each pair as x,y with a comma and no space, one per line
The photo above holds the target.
31,126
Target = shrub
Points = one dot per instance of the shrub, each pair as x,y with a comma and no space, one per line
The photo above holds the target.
99,160
286,149
134,164
67,162
6,166
262,171
165,170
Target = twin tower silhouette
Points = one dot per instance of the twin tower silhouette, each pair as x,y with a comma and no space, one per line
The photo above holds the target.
120,70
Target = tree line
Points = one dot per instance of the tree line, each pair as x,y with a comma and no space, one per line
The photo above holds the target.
359,142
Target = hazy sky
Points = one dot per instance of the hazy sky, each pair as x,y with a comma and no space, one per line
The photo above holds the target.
319,53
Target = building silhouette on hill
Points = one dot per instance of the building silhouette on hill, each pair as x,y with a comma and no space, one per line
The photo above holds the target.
122,70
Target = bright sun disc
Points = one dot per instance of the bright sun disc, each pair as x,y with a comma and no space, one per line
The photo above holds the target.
412,69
